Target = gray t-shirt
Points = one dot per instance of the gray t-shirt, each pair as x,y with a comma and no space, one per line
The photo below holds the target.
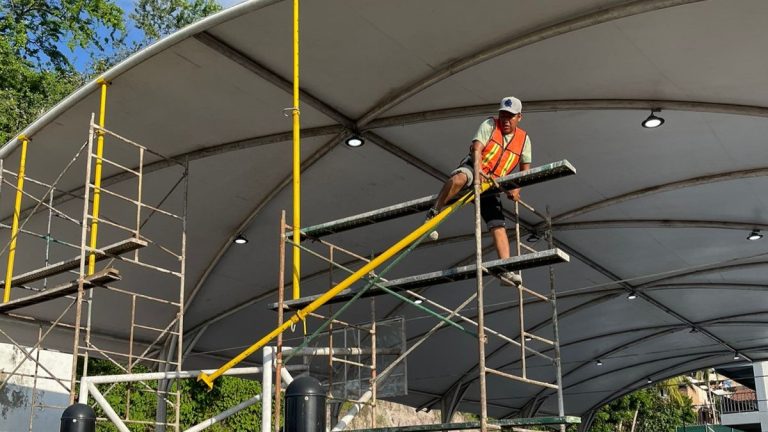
484,134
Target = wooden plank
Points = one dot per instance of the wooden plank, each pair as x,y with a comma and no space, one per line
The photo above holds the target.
97,279
118,248
503,424
516,263
519,179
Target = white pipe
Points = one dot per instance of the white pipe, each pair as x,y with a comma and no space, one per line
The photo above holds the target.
287,377
224,414
107,408
266,390
350,415
108,379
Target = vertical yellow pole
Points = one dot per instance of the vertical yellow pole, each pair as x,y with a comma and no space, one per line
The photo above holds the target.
97,178
296,156
15,225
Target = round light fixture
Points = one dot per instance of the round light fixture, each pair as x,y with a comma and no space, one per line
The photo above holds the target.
653,121
632,295
532,238
528,338
418,301
754,235
599,362
736,356
240,239
354,141
649,381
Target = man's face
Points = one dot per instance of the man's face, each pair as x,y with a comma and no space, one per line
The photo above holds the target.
509,121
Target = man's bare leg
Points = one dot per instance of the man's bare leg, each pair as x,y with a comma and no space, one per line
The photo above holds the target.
450,188
501,241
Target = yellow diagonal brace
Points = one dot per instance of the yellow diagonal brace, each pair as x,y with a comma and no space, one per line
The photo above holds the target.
15,225
346,283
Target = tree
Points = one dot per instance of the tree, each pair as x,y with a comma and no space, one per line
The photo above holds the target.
650,409
37,31
197,403
158,18
37,38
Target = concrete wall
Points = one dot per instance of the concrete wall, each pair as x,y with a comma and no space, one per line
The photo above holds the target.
31,401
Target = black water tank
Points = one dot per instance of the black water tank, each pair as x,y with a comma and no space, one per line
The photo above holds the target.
78,418
305,406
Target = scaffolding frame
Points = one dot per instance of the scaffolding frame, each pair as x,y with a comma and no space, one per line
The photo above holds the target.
395,288
162,350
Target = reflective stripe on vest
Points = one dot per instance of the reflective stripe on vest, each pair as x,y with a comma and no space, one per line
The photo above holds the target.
497,159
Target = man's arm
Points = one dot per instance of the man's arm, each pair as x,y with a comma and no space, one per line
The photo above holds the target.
514,194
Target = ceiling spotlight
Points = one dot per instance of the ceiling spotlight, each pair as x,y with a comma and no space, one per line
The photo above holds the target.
418,301
240,239
632,295
528,338
533,238
755,235
653,121
354,141
736,356
599,362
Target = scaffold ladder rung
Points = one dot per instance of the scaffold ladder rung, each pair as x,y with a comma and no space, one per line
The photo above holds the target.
515,263
100,278
118,248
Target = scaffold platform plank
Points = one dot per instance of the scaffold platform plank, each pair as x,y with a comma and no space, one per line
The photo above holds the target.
114,249
503,424
519,179
100,278
520,262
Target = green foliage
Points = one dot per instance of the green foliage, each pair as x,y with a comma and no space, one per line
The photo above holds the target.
37,30
25,92
656,411
37,38
158,18
197,403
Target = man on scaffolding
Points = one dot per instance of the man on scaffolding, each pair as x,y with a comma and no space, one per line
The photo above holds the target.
502,146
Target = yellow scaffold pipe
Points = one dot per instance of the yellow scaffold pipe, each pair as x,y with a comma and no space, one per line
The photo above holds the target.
296,157
15,226
97,177
346,283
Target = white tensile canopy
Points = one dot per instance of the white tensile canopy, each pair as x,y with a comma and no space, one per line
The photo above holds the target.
664,212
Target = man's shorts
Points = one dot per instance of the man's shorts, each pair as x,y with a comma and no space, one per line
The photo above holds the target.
490,201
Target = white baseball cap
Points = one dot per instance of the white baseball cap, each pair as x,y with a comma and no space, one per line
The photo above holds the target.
511,104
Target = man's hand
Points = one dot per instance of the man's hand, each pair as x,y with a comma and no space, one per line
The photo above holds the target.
514,194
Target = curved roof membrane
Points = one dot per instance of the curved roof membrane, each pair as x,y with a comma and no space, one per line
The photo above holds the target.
663,212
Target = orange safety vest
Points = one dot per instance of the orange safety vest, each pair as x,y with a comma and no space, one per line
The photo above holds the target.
498,160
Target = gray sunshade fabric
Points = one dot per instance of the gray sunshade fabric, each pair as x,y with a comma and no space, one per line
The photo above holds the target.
664,211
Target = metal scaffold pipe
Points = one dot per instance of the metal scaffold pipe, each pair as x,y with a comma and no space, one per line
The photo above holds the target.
295,114
346,283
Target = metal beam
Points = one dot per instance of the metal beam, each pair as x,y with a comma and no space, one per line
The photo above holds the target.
547,106
532,176
515,263
546,32
270,76
659,223
665,187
